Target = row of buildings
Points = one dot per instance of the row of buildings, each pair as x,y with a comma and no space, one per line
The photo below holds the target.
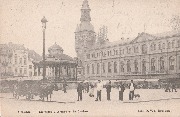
17,61
145,56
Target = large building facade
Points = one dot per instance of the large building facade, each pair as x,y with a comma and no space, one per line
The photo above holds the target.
16,61
145,56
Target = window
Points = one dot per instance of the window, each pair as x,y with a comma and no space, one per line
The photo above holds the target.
15,59
103,68
98,68
159,46
128,66
25,61
25,70
171,63
20,70
178,43
30,66
161,64
88,56
153,46
136,49
153,64
169,45
144,49
115,67
136,66
109,67
143,66
16,70
30,73
87,69
92,68
116,52
173,44
122,67
20,61
163,46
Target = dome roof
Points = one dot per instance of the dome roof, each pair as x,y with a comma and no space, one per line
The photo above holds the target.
86,26
55,47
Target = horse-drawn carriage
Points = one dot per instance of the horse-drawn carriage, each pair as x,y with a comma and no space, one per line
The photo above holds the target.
31,89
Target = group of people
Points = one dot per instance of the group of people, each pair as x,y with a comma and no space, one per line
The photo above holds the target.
170,85
108,86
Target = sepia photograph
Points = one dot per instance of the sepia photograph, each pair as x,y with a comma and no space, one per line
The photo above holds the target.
89,58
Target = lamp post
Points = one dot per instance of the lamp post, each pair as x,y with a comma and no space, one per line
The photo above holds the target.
44,20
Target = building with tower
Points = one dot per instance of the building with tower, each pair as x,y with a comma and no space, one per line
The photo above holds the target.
146,56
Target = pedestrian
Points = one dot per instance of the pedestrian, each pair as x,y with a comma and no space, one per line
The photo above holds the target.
108,90
121,91
173,87
99,89
91,93
64,87
79,90
131,88
168,87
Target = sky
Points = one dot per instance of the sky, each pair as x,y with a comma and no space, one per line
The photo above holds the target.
20,20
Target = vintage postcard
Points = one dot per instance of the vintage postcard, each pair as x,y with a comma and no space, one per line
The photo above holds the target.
90,58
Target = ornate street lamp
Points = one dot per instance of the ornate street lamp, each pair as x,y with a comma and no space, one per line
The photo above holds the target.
44,20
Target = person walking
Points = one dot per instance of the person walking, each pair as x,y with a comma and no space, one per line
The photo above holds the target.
174,87
121,91
64,87
131,88
108,90
99,89
79,90
91,93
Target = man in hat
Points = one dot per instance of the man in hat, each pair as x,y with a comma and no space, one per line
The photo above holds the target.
79,90
121,91
131,88
108,90
99,89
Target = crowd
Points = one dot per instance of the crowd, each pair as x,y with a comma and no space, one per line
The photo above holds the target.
89,88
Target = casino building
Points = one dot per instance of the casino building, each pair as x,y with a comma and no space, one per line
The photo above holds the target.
145,56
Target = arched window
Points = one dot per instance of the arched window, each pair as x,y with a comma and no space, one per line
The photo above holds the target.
178,43
128,66
163,46
92,68
144,49
171,63
103,65
153,67
122,67
109,67
169,45
161,64
144,66
115,67
80,63
87,69
173,44
159,45
136,66
98,67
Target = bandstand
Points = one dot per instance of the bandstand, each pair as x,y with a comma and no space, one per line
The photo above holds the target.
59,66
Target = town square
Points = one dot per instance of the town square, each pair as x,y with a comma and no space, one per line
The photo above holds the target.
90,58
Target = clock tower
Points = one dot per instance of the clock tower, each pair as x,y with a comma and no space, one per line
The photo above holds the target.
84,35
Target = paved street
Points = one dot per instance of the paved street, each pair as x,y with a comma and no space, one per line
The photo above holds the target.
150,102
